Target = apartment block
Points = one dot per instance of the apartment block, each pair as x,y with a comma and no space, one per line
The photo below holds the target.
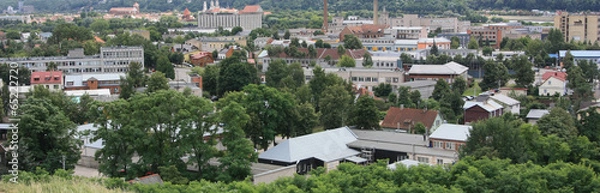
578,27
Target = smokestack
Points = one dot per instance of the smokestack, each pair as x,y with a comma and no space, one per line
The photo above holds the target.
375,14
325,17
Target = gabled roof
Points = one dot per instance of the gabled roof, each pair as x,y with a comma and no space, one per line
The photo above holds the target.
448,68
397,115
251,9
505,99
326,146
558,75
451,132
489,106
79,78
537,113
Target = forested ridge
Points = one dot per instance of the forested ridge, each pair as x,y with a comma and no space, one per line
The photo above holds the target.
405,6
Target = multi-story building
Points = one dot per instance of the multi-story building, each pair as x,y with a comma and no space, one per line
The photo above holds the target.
578,27
109,81
214,17
325,57
409,32
494,36
209,44
365,77
110,60
51,80
364,31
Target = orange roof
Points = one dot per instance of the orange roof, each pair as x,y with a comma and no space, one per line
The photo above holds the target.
558,75
408,116
186,12
99,40
251,9
49,77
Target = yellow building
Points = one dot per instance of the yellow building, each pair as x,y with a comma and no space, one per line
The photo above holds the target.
578,27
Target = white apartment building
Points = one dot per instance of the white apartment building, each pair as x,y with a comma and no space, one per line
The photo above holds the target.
364,77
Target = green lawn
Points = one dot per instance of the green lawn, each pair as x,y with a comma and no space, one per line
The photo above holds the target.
470,92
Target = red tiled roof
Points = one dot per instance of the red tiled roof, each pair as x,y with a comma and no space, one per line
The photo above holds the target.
200,55
50,77
186,12
251,9
558,75
404,116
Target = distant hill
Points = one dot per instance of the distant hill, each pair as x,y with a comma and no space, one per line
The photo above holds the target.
405,6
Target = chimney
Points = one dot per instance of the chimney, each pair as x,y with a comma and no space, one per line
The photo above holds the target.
375,14
325,17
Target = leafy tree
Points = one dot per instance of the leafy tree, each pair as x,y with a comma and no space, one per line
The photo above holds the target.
312,52
382,90
296,73
440,89
451,106
459,85
590,70
524,74
415,97
485,140
235,30
276,72
341,50
347,61
568,60
307,119
582,90
487,51
420,128
286,35
236,160
335,102
558,122
215,54
234,75
454,42
589,124
100,25
404,97
165,66
434,49
210,79
473,44
495,75
319,83
352,42
365,114
367,60
156,82
405,58
47,137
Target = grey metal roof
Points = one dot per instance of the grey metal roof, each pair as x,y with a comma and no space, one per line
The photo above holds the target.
448,68
536,113
326,146
489,106
390,137
356,159
397,147
419,83
505,99
79,78
451,132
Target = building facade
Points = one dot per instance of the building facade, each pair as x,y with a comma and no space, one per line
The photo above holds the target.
110,60
110,81
214,17
578,27
51,80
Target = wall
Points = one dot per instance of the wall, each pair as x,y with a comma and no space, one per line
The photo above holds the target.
273,175
551,86
475,113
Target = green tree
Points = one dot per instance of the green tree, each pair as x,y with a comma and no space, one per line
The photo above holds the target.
215,54
487,51
558,122
451,106
286,35
582,90
440,89
454,42
210,79
236,160
459,85
307,119
47,137
352,42
404,97
341,50
524,74
434,49
156,82
568,60
473,44
276,72
165,66
365,114
335,102
347,61
100,25
367,60
234,75
496,75
382,90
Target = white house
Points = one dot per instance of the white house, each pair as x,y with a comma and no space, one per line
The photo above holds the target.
510,105
553,83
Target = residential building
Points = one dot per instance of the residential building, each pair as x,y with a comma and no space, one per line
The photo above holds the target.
446,25
448,72
450,137
209,44
201,59
578,27
425,87
510,105
325,57
482,107
364,31
427,43
409,32
463,38
94,81
364,77
144,33
196,79
400,119
21,18
262,42
110,60
553,83
215,16
535,114
51,80
135,9
483,35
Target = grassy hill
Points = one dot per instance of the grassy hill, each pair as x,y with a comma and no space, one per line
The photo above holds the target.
57,184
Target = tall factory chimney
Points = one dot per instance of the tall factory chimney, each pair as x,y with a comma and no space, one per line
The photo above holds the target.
375,14
325,17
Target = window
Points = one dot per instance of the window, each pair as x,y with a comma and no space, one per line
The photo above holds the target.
440,161
449,145
549,82
438,144
395,80
55,86
423,159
